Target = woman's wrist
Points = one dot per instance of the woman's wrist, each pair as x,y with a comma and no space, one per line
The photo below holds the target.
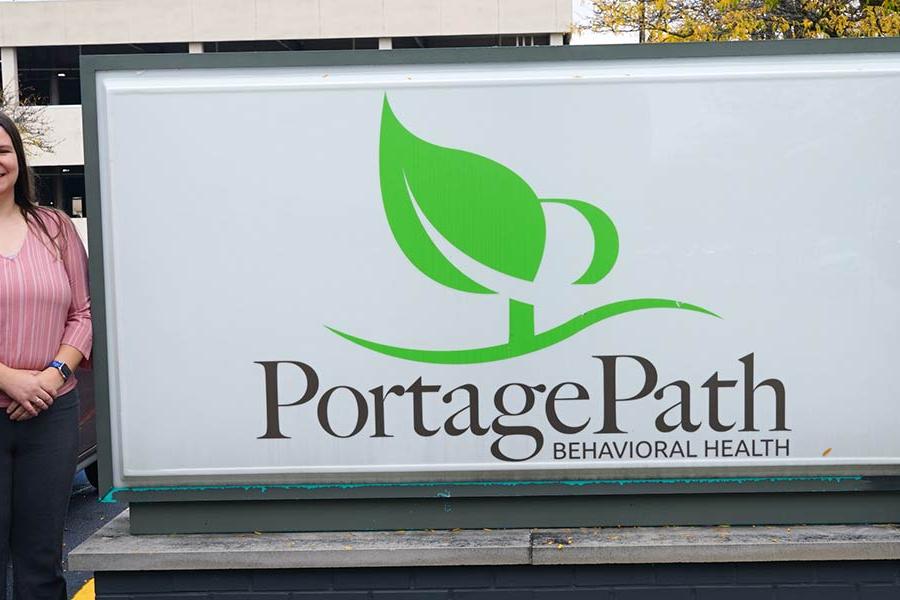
55,376
4,375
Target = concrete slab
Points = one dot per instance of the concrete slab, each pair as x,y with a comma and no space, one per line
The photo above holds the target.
113,548
715,544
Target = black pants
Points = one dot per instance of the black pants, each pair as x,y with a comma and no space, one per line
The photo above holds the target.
37,464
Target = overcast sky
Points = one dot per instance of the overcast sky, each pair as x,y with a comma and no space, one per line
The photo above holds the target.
581,12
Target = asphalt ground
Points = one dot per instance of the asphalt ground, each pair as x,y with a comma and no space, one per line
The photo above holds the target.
86,515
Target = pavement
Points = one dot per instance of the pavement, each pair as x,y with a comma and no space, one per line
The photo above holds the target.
86,515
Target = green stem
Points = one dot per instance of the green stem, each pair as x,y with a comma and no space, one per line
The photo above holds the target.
522,339
521,322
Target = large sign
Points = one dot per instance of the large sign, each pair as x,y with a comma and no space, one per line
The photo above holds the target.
506,271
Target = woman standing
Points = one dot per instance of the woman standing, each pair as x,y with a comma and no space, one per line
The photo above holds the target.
45,332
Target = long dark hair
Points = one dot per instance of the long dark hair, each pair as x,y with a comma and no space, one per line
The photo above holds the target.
24,193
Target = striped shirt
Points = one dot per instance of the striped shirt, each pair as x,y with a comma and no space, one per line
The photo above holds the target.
44,300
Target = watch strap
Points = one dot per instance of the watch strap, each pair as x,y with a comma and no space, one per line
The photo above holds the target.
63,369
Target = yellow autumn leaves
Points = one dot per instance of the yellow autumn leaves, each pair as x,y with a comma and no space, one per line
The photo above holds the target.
727,20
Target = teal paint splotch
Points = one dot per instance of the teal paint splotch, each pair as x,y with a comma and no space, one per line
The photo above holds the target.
109,497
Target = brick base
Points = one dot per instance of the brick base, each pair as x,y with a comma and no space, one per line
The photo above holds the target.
862,580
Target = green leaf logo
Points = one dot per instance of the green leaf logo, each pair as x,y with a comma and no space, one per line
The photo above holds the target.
490,214
481,207
606,240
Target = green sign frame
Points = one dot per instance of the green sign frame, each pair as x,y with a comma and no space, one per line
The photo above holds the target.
840,496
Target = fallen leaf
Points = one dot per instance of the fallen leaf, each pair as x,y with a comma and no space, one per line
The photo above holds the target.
827,452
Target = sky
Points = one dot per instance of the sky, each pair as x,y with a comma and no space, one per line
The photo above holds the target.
581,13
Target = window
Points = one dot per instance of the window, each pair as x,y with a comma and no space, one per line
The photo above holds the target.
49,74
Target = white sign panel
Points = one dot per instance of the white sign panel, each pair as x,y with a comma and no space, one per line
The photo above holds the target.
502,271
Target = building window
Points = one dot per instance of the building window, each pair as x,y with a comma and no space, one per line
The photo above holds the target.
61,187
49,74
469,41
295,45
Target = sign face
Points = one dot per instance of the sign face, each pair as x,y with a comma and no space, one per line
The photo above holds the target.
493,271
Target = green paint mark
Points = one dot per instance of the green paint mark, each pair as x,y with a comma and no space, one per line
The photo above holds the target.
444,493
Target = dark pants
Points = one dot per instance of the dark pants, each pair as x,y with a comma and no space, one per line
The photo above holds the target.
37,464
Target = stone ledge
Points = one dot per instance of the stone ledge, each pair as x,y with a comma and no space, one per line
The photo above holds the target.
715,544
113,548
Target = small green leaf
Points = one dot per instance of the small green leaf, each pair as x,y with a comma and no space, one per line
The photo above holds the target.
482,208
606,239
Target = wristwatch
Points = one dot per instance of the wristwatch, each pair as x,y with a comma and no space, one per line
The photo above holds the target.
63,369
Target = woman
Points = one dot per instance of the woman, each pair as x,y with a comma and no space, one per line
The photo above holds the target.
45,332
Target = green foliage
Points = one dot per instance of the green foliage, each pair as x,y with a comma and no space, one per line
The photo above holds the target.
725,20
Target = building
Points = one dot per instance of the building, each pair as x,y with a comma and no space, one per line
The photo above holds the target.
41,42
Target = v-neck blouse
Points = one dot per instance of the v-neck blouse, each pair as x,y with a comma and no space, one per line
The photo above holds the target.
44,300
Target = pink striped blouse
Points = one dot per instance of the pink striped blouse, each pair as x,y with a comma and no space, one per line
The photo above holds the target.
44,301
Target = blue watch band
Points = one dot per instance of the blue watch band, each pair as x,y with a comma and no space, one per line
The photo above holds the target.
63,369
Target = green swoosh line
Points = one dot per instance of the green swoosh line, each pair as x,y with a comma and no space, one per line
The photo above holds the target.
523,345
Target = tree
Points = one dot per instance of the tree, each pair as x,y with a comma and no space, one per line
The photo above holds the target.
726,20
31,121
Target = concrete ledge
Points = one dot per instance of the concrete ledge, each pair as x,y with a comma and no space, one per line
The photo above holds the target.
113,548
715,544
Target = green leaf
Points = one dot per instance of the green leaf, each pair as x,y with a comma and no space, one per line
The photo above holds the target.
606,239
482,208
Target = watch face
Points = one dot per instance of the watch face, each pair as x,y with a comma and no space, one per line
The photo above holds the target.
65,370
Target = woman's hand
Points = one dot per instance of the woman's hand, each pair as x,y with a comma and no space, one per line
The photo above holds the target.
18,413
30,391
51,380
